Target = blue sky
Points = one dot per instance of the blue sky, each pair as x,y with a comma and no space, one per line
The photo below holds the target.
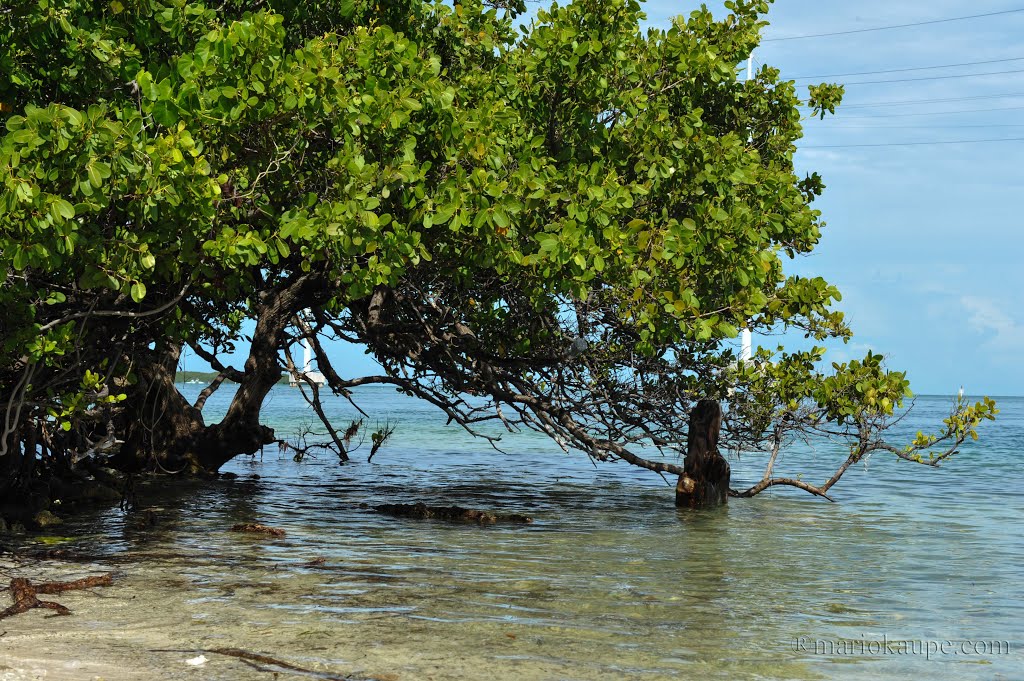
924,241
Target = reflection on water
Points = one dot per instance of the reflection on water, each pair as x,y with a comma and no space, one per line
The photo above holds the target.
610,582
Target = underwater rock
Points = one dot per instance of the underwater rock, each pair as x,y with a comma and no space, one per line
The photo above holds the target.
98,493
256,528
142,519
422,511
45,519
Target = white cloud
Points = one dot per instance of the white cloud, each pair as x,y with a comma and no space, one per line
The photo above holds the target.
848,352
985,317
813,155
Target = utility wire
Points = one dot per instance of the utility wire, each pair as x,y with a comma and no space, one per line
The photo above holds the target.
862,126
911,80
907,102
937,113
886,28
914,68
911,144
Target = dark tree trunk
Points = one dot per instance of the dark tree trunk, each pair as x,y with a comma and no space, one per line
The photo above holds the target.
164,433
23,491
705,482
12,497
240,432
158,421
170,433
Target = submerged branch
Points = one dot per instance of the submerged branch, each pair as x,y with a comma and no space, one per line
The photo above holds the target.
771,482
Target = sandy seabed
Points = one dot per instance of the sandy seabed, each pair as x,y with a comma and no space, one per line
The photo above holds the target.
146,627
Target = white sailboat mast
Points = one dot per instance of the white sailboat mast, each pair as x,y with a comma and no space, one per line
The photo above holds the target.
307,356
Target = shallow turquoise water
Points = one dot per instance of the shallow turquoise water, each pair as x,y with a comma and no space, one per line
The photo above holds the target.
609,582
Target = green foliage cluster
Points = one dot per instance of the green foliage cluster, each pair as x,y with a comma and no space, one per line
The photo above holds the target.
165,163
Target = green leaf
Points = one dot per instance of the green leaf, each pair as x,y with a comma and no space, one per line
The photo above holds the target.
138,291
165,112
23,136
147,86
96,171
500,218
65,209
20,258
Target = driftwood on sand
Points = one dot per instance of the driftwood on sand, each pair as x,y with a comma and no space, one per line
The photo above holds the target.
25,594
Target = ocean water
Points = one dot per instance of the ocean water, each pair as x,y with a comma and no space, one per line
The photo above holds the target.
913,573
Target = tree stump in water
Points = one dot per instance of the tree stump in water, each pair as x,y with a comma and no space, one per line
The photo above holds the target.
705,482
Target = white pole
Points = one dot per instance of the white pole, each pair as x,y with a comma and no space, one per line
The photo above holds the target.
750,66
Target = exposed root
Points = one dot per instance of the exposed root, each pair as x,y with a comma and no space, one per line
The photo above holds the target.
25,594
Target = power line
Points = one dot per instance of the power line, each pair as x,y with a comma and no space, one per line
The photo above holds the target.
914,68
930,101
911,144
860,126
940,113
886,28
912,80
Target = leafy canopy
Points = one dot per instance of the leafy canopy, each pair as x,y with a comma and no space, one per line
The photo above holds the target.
166,164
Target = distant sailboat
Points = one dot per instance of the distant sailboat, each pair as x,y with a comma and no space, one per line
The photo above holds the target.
746,347
307,367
